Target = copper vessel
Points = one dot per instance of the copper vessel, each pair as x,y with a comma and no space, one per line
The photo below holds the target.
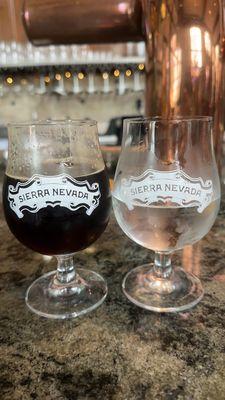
184,39
184,60
86,21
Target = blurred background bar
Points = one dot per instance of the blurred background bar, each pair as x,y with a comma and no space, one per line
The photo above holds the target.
97,81
93,58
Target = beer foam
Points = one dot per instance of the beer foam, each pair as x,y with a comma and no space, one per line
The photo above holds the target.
58,166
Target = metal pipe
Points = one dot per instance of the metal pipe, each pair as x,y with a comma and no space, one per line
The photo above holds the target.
86,21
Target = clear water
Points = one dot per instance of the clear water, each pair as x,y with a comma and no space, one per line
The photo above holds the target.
164,228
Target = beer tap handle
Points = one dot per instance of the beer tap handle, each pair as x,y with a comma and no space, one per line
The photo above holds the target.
91,83
122,84
76,85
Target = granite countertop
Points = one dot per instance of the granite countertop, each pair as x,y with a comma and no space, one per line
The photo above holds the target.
119,351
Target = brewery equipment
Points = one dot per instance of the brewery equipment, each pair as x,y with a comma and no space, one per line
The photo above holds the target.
184,41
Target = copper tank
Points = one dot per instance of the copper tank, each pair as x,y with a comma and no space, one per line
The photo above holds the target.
184,40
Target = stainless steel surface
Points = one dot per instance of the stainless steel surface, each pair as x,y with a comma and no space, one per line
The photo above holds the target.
86,21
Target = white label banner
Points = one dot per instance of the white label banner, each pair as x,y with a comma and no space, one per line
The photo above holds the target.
41,191
166,187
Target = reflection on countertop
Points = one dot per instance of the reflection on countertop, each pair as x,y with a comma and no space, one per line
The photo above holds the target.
119,351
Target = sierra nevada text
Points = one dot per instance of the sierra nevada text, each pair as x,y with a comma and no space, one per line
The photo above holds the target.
165,188
53,192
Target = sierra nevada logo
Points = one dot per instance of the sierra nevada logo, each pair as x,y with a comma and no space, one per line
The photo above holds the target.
62,190
166,187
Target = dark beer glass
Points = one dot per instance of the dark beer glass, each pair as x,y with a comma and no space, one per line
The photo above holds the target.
57,201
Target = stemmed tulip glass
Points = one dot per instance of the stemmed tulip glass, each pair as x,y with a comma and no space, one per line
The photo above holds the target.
57,201
166,196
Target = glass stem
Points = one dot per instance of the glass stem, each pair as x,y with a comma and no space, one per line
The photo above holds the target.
65,268
162,265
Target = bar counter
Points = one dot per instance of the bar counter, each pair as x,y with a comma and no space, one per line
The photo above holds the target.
119,351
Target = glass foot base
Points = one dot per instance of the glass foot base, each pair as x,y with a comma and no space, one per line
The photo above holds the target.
48,298
179,292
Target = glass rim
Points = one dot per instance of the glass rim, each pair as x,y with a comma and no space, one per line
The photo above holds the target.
53,122
170,119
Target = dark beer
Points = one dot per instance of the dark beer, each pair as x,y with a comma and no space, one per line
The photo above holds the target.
59,230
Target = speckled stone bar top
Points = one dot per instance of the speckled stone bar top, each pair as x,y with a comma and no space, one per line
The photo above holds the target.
119,351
